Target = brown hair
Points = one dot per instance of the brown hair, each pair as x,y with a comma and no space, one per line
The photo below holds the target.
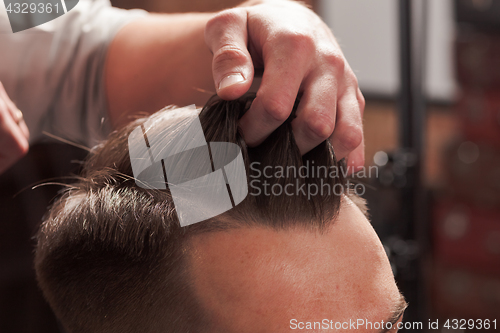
109,254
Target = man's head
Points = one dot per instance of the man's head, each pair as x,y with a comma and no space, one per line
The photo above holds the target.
112,257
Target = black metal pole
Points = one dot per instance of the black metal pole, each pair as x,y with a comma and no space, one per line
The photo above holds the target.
406,93
411,126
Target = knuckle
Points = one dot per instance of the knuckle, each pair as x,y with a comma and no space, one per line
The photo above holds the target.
277,108
294,40
220,19
300,41
227,55
351,76
336,60
361,101
350,137
321,128
223,19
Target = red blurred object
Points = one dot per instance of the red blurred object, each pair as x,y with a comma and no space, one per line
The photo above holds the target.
473,173
464,294
478,60
479,115
467,236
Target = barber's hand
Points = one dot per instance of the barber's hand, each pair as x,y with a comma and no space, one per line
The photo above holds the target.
13,132
299,54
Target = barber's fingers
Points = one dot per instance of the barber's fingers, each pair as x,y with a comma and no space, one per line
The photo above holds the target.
356,158
18,117
13,142
347,138
320,116
13,132
286,65
227,37
22,124
316,113
16,114
331,108
299,55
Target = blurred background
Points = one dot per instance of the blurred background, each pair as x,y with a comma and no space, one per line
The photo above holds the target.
430,72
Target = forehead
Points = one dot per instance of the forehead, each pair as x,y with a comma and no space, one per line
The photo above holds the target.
260,279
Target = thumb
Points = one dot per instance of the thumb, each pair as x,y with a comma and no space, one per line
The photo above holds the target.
226,35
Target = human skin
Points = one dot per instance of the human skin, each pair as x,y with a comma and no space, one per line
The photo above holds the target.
183,59
258,279
14,134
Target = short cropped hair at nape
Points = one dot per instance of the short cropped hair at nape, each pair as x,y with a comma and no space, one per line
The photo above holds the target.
110,255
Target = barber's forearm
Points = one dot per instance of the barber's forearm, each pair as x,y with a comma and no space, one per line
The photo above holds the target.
157,61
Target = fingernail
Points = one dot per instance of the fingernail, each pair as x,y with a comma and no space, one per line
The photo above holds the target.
230,80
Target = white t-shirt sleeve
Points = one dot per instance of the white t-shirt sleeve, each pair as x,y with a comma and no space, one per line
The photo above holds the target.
55,72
